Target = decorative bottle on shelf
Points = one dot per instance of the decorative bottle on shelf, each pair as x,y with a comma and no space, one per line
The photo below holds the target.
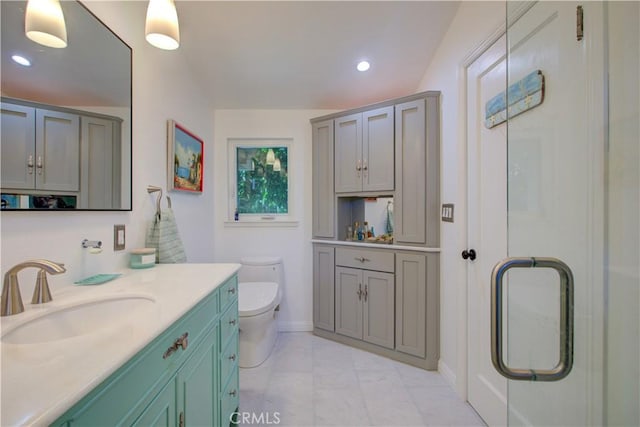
356,231
349,233
366,233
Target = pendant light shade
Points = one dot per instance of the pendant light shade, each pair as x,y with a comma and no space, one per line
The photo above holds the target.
44,23
161,28
271,157
277,166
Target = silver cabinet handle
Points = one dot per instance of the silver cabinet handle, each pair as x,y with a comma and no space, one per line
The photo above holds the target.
565,361
366,292
39,165
358,167
361,259
180,342
359,293
30,164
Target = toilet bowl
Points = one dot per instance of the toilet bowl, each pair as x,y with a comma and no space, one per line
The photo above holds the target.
260,283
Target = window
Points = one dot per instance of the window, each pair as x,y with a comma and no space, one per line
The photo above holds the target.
259,175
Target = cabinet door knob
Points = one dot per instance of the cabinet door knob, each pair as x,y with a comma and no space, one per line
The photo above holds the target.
231,290
233,393
470,254
232,321
232,357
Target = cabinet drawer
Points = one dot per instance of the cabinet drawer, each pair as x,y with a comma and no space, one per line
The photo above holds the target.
228,360
367,259
228,292
229,399
228,324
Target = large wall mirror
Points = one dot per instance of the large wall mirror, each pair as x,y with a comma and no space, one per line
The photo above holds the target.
66,118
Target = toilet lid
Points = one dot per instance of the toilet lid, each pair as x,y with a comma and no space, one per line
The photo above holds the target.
256,297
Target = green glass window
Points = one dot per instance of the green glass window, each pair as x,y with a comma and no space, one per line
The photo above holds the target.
262,180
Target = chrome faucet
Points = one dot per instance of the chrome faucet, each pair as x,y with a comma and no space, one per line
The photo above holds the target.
11,302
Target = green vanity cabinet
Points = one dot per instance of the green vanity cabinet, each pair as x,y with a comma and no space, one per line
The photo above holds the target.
179,387
228,358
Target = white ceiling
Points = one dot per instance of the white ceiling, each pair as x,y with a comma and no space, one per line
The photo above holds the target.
303,54
263,54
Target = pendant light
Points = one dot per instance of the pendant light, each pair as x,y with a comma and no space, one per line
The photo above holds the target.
277,166
271,157
44,23
161,27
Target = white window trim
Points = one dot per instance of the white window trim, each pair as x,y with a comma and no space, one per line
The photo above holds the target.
258,220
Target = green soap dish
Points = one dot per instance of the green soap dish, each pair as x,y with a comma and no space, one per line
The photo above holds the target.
98,279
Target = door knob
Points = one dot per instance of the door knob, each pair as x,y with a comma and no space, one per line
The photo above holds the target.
470,254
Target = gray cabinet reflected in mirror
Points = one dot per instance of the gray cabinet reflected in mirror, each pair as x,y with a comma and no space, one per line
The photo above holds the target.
65,135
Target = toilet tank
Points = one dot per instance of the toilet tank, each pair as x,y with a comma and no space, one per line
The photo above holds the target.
261,269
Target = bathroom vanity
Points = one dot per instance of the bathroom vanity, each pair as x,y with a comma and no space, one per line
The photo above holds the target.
163,350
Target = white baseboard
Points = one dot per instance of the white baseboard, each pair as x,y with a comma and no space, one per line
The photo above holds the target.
295,326
447,373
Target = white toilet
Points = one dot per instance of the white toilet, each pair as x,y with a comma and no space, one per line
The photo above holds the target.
260,282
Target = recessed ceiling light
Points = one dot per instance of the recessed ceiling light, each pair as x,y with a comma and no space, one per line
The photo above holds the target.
363,66
21,60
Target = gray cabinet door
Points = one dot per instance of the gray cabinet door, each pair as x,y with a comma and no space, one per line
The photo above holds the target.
17,133
410,198
349,302
417,302
378,149
378,308
57,151
348,153
411,303
101,159
323,175
323,287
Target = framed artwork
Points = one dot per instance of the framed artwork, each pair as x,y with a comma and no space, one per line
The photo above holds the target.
185,159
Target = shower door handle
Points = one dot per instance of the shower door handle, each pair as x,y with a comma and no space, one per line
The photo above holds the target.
565,360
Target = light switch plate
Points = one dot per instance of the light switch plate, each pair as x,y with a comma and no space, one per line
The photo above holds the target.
447,212
119,237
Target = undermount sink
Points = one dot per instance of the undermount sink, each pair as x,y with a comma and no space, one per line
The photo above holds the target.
78,319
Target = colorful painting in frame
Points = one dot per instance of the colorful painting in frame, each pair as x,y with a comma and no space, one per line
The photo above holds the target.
185,155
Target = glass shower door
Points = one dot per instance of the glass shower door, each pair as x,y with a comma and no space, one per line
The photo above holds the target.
566,301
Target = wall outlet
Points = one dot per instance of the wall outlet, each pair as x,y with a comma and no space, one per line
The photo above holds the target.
119,237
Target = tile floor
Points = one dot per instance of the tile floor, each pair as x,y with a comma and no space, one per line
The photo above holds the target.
311,381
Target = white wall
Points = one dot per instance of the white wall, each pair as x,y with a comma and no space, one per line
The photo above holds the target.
473,23
232,242
162,90
623,328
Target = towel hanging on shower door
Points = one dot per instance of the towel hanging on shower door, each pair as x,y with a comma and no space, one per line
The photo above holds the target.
163,235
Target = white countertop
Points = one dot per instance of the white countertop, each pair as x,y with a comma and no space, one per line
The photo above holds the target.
392,246
41,381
